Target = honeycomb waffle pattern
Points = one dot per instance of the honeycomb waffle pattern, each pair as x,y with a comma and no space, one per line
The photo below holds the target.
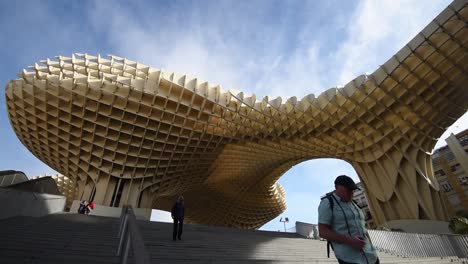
111,123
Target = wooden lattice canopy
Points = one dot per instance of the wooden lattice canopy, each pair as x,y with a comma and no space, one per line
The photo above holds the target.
129,133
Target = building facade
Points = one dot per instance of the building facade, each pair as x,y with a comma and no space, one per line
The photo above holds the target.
451,169
127,133
11,177
360,199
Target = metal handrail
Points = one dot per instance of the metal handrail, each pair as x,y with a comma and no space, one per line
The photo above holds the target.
129,236
420,245
123,215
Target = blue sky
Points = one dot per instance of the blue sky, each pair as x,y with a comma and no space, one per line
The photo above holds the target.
274,48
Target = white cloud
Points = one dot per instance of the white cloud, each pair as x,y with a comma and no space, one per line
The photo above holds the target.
460,125
188,45
297,75
378,29
231,50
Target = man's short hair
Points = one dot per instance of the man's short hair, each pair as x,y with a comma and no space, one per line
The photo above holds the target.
346,182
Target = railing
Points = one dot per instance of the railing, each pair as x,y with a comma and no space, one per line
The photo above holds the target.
129,236
420,245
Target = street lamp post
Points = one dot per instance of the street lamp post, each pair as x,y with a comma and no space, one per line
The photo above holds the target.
286,220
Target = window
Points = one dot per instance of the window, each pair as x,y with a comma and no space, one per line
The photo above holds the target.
464,140
368,215
455,167
364,202
449,156
463,180
359,204
447,187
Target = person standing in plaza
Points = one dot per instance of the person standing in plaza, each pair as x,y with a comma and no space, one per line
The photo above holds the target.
90,207
177,213
342,223
83,208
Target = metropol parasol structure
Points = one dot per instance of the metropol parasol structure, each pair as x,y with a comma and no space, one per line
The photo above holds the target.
127,133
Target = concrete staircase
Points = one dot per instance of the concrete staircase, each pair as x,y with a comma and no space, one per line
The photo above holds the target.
59,238
71,238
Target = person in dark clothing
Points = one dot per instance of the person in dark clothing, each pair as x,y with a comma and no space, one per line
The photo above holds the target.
83,207
177,214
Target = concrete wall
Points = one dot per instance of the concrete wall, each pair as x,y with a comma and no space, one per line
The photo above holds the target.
21,203
39,185
101,210
9,177
307,230
420,226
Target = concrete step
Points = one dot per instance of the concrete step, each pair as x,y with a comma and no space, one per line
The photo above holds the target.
71,238
18,256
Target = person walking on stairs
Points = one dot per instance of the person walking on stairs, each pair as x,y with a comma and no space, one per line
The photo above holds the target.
177,213
342,223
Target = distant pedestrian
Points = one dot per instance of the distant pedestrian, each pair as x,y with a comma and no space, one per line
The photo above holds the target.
90,207
83,207
177,213
342,223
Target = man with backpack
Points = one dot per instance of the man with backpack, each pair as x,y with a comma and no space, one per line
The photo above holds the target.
342,223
